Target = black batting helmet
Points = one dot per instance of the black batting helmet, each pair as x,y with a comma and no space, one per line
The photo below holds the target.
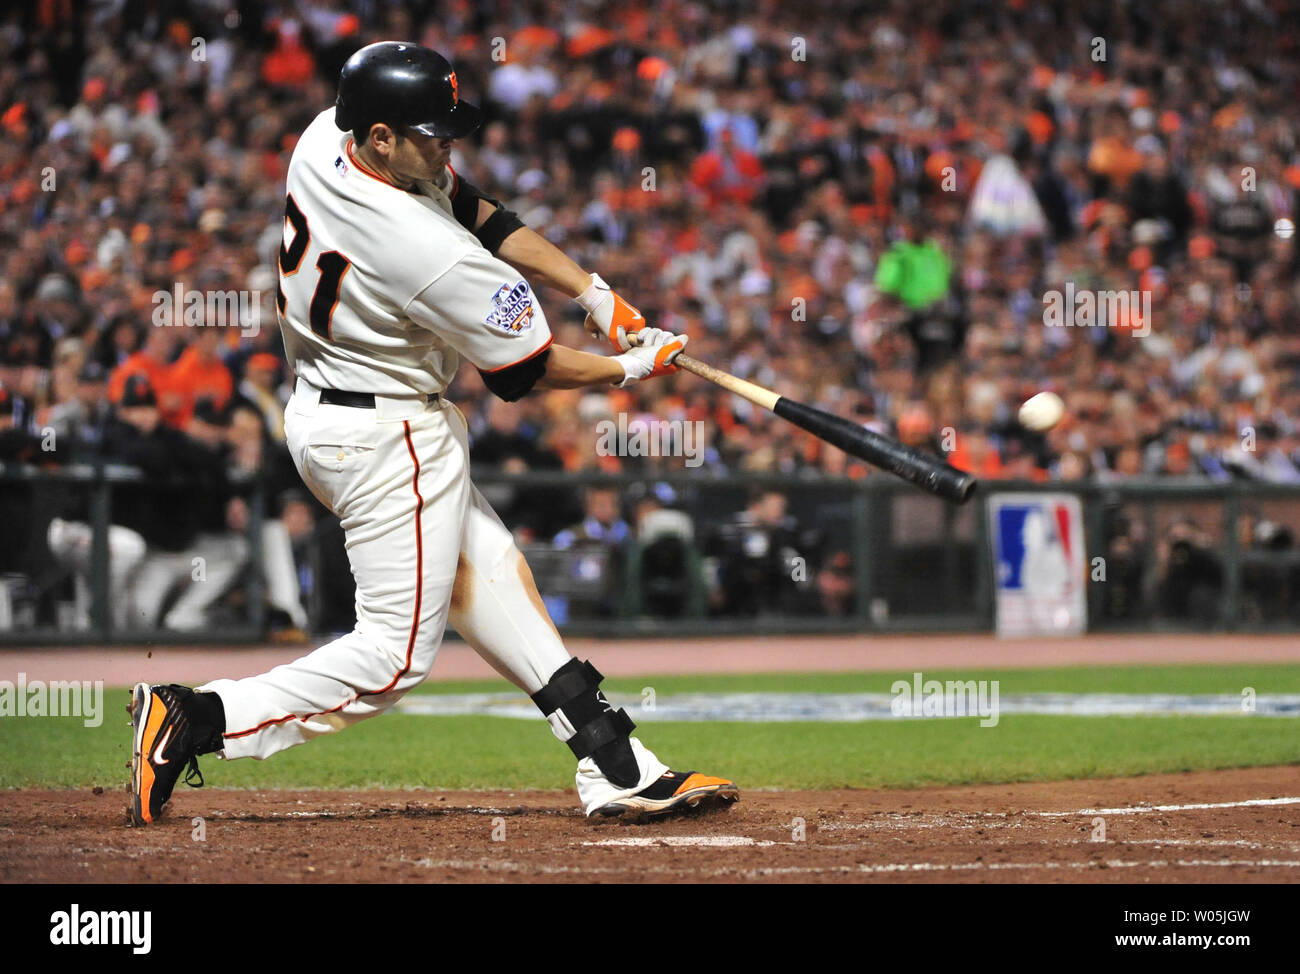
403,84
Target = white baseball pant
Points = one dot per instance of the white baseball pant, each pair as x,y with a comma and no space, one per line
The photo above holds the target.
425,549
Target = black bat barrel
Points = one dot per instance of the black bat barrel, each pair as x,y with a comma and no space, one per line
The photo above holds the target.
924,470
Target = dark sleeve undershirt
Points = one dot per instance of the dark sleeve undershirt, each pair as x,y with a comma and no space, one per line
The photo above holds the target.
515,381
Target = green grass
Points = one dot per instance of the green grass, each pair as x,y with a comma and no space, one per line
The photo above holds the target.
399,750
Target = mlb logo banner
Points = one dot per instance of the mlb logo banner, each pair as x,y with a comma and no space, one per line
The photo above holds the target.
1039,572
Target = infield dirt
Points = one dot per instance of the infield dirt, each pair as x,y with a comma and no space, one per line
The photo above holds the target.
989,833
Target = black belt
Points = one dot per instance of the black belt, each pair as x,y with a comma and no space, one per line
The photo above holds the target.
360,400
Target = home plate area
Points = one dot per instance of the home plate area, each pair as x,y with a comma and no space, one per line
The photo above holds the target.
1226,826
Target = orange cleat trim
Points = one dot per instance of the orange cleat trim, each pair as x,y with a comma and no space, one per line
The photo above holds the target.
698,780
154,722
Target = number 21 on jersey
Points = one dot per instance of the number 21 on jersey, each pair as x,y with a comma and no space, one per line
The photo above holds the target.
332,266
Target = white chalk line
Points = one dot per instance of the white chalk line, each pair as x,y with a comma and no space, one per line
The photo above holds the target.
919,867
1110,843
1194,843
895,821
904,824
510,866
711,841
1139,809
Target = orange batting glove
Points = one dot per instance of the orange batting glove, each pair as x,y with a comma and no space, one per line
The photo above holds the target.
608,315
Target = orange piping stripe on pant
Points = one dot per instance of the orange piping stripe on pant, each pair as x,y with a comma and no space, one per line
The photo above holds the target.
415,621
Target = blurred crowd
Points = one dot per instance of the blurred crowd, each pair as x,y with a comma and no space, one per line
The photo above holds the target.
860,205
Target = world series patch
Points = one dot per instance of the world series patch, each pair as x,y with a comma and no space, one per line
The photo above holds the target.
512,309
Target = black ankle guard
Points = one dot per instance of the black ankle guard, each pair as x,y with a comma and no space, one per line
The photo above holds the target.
208,717
601,731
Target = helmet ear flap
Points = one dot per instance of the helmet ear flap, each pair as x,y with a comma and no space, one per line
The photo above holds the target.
348,118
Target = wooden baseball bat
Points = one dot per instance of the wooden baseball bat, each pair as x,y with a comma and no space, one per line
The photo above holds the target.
926,471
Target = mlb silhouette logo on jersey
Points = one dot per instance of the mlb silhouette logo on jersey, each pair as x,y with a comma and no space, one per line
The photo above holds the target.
513,309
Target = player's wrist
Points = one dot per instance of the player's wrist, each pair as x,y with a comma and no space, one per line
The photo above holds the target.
595,295
632,367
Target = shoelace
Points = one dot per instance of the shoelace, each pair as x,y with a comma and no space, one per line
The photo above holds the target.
192,772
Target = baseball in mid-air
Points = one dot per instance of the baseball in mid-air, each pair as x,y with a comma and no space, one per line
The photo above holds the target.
1041,412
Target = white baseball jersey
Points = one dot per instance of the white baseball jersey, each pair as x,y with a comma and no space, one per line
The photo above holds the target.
381,289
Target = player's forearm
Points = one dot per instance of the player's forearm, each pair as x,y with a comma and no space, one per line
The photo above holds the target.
568,368
542,261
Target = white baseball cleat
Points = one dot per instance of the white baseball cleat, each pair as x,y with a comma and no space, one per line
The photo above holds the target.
675,791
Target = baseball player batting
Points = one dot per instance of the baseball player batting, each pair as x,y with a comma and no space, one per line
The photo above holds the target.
392,268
